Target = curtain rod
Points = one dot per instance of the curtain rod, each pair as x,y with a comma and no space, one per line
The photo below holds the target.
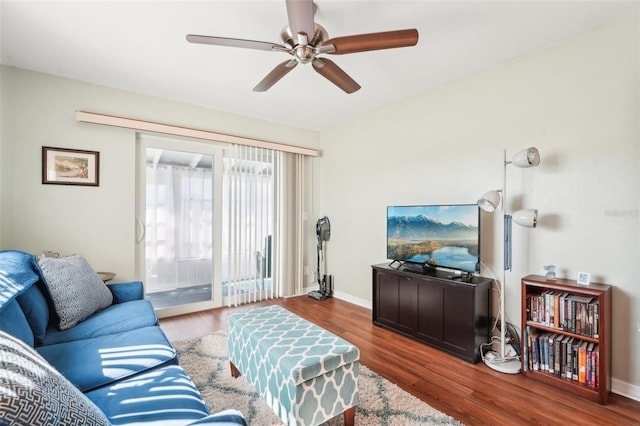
168,129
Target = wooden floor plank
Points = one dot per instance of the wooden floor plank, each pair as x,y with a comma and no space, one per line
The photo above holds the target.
472,393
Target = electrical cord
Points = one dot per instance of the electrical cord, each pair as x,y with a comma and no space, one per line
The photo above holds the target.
511,332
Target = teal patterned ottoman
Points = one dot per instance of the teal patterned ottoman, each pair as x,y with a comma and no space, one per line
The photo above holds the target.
306,374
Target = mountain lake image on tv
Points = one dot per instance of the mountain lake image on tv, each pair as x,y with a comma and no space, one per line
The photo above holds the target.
446,236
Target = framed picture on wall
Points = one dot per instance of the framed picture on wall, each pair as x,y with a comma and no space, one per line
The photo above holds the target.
61,166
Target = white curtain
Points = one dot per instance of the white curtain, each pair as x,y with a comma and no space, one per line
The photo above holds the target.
262,224
178,226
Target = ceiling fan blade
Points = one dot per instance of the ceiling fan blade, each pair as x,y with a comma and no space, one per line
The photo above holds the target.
275,75
335,74
373,41
233,42
300,14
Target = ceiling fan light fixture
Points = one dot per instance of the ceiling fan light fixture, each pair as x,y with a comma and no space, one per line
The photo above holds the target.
304,54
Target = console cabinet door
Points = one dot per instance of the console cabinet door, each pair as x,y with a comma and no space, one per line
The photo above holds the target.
459,328
396,301
387,298
407,304
430,311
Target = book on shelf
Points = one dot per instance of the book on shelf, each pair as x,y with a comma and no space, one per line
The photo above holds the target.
561,360
596,363
561,355
575,366
569,358
526,350
592,365
594,318
582,362
564,311
548,337
535,351
548,303
551,357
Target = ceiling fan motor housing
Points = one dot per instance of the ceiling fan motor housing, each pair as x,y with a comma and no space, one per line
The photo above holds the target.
304,52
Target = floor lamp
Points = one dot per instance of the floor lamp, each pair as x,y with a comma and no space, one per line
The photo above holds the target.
489,202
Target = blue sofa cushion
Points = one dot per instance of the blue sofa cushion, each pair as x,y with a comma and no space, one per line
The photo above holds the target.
113,320
95,362
75,288
165,395
33,393
227,417
36,309
17,274
126,292
13,321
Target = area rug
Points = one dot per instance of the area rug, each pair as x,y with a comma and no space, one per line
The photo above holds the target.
381,402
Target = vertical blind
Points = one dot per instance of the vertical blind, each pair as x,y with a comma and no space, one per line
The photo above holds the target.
262,223
289,233
248,223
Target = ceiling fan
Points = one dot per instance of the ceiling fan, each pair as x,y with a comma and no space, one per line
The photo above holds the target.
305,41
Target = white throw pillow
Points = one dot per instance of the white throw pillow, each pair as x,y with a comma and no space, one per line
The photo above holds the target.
34,393
76,289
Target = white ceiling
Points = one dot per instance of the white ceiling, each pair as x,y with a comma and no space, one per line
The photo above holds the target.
140,46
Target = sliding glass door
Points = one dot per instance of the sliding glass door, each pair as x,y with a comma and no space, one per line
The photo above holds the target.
179,224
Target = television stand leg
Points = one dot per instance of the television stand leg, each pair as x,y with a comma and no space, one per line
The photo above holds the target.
394,262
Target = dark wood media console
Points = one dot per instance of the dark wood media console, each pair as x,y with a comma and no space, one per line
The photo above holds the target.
433,308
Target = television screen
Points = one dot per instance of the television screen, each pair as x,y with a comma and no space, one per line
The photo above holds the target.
446,236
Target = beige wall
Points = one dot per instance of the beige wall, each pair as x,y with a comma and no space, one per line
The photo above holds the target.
577,102
39,110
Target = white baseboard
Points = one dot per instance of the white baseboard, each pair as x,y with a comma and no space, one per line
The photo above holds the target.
355,300
625,389
347,298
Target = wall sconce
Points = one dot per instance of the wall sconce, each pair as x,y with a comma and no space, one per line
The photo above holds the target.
489,202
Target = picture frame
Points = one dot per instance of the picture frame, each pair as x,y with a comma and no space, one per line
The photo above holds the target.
63,166
584,278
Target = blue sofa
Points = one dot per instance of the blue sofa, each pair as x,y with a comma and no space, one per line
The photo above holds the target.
114,367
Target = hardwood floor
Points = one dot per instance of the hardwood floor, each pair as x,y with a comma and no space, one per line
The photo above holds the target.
473,394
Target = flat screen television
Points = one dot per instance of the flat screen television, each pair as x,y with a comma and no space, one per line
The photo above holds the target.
439,236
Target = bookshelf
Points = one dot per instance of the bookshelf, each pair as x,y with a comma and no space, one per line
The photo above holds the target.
566,335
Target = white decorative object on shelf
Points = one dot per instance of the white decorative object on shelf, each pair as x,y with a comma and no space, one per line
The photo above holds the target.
550,275
584,278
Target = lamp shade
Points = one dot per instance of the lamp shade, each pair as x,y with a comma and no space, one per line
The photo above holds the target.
529,157
490,201
526,217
